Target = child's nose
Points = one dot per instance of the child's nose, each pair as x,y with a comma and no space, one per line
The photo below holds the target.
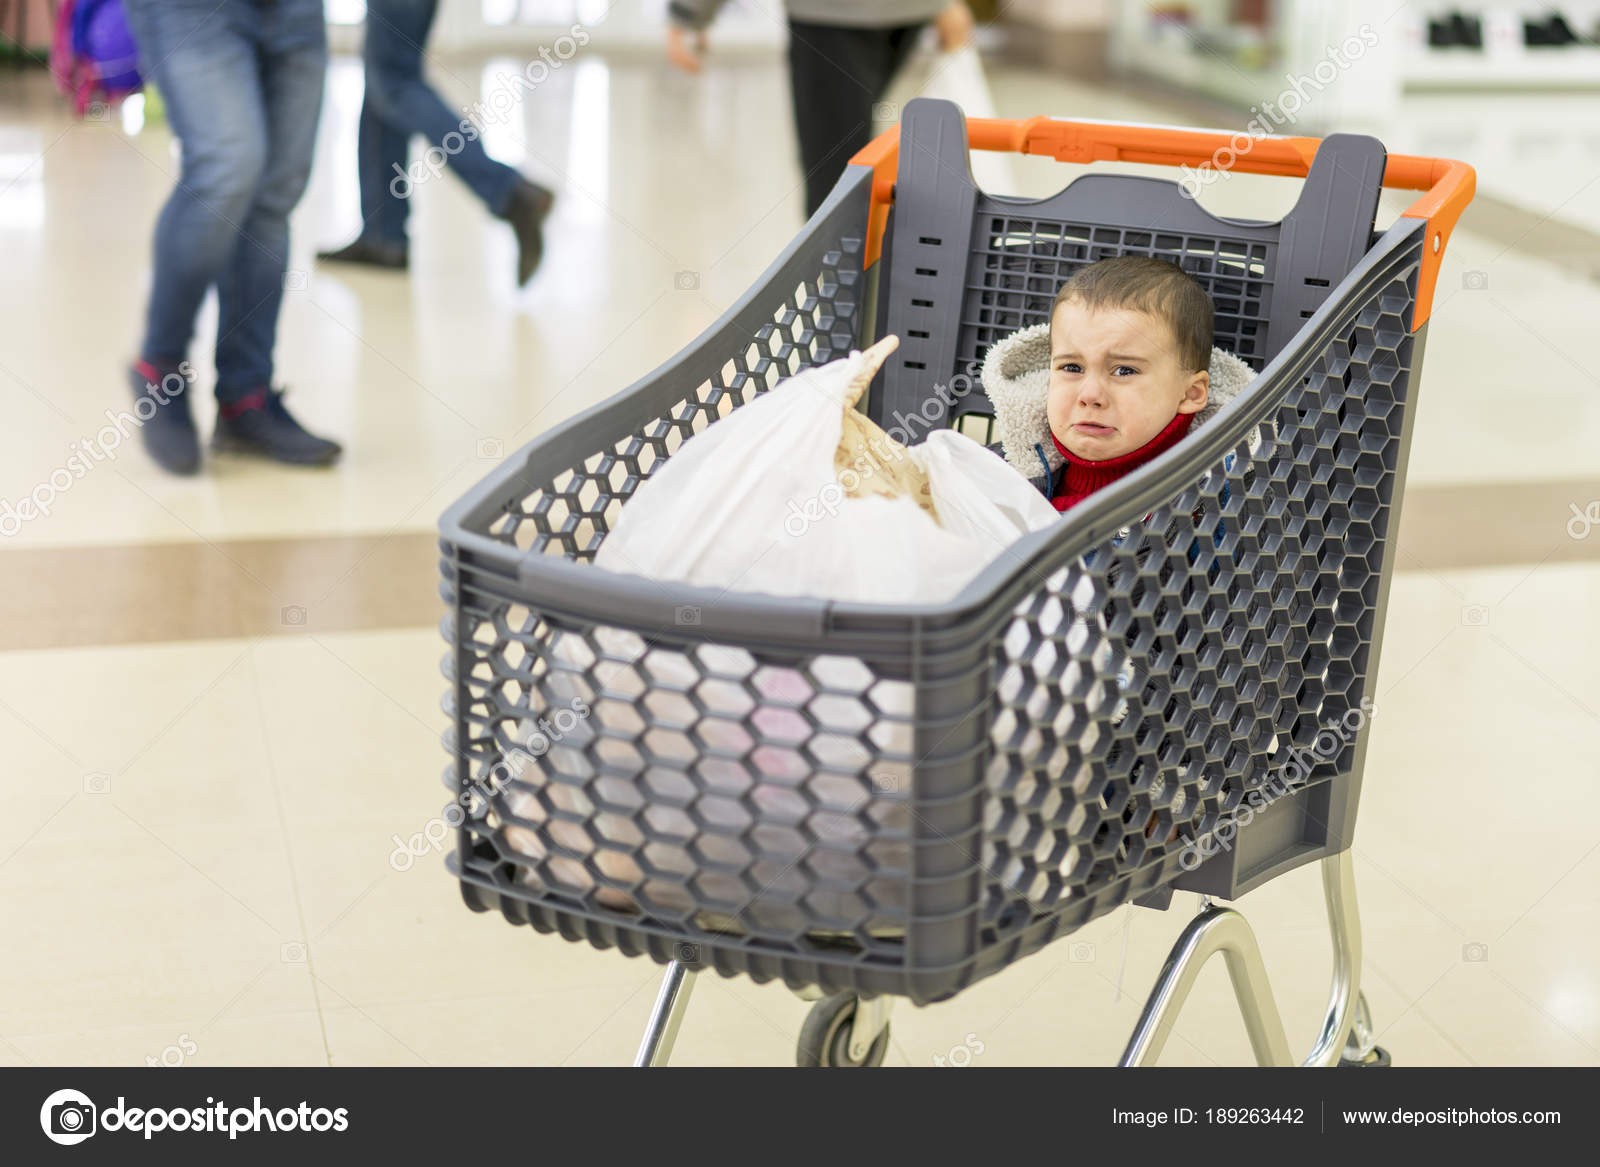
1091,391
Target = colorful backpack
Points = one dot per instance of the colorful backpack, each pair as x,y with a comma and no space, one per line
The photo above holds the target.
93,56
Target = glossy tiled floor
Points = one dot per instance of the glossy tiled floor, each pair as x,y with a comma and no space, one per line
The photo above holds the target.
200,807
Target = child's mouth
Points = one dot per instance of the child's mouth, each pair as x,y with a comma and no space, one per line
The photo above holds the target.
1093,429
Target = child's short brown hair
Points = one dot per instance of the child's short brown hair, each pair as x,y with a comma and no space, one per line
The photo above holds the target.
1156,286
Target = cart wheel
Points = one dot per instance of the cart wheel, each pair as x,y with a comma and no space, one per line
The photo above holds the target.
1377,1058
825,1036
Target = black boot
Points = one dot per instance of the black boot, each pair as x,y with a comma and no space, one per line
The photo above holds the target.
259,423
168,434
1560,31
371,252
1466,31
526,211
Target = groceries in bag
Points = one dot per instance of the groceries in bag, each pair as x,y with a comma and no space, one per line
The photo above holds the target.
768,798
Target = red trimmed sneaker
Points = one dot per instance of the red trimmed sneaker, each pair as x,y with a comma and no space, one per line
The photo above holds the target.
166,427
259,423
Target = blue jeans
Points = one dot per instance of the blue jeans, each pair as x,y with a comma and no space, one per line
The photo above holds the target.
242,81
399,103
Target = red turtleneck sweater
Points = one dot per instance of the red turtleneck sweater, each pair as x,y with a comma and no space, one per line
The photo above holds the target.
1083,477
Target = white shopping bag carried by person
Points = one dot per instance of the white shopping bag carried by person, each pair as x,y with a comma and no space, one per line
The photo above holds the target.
957,75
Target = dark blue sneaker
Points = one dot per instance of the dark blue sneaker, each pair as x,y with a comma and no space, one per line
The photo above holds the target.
161,402
260,424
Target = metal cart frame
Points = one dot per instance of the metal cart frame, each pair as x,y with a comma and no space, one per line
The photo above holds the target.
1346,1036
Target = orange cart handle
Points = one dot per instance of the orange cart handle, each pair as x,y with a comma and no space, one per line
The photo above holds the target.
1449,185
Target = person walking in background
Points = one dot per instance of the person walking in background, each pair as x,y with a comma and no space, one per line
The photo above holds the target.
399,103
242,82
842,56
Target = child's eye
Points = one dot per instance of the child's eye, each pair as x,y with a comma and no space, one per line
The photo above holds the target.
1069,367
1126,371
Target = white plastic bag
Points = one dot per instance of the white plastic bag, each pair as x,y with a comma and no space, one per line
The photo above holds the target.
793,494
761,503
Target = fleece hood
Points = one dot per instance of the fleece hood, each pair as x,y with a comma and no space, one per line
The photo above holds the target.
1016,376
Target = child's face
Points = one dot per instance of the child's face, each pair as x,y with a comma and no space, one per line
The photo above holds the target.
1116,380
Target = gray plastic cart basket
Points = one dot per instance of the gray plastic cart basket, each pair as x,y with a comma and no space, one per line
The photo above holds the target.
1164,691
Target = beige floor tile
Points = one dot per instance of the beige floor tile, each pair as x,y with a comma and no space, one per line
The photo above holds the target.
728,1023
1496,1024
1548,957
354,725
1407,1033
274,1039
43,780
530,1028
167,856
1451,817
1535,614
153,937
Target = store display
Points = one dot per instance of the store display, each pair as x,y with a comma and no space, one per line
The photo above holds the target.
1455,30
1551,32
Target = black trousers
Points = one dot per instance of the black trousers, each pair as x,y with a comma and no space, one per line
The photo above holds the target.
837,76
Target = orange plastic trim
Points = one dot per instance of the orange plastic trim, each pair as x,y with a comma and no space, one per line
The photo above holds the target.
1449,185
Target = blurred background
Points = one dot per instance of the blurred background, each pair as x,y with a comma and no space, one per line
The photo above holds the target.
219,695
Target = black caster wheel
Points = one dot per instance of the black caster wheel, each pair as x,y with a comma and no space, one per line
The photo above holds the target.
1378,1058
825,1036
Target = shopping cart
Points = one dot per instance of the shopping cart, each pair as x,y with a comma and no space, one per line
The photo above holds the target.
868,801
